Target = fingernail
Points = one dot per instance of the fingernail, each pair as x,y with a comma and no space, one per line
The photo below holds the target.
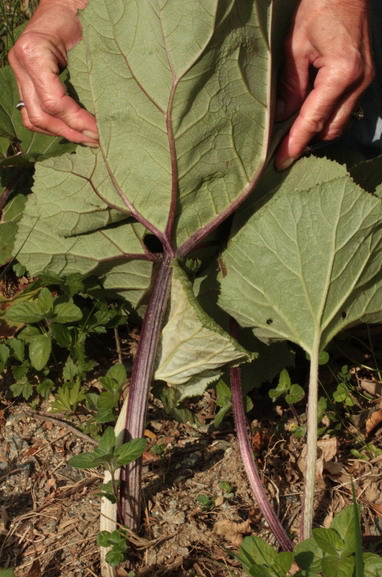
286,163
91,144
90,134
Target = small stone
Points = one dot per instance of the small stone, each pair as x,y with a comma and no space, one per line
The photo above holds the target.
174,517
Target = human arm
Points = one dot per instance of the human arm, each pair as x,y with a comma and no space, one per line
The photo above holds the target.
37,59
332,36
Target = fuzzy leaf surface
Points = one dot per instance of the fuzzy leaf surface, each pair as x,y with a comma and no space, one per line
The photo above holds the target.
68,228
194,348
189,120
306,264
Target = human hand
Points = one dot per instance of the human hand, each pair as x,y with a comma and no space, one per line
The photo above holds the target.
331,36
37,59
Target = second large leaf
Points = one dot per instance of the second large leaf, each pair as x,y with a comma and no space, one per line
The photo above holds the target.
309,262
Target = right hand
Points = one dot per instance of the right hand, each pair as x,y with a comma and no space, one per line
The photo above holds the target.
37,59
332,37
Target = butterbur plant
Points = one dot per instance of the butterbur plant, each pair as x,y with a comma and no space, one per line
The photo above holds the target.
321,238
135,208
183,96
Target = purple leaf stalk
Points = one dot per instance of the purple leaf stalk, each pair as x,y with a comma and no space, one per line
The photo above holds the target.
248,459
141,378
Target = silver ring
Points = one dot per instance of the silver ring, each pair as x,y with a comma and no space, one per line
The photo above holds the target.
20,104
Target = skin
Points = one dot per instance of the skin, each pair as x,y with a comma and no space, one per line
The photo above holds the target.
331,36
37,58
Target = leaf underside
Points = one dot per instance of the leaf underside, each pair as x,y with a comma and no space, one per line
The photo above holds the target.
307,264
193,348
187,128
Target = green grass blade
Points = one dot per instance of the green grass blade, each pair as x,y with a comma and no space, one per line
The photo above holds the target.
359,567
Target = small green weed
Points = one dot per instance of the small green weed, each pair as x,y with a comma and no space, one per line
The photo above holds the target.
55,317
293,393
110,456
104,404
7,573
224,402
227,487
368,451
330,552
206,503
343,392
117,543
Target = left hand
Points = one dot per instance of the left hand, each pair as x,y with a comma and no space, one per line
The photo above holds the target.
333,37
37,58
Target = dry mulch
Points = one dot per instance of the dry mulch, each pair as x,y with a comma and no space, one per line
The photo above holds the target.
49,512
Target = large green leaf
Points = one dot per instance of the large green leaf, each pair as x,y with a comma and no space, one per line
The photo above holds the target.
65,194
182,96
14,186
8,228
52,233
303,266
194,348
307,264
184,132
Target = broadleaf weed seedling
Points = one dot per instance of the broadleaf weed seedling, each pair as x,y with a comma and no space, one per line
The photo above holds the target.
224,402
328,553
68,397
111,457
293,393
227,487
117,543
56,316
206,503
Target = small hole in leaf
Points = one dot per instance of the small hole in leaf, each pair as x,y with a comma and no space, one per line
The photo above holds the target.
153,243
269,321
343,315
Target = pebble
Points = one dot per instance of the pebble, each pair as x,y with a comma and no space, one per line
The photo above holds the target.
174,517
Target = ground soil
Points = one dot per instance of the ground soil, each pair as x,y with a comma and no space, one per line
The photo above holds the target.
49,511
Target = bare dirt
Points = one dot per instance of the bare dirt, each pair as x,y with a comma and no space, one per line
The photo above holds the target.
49,511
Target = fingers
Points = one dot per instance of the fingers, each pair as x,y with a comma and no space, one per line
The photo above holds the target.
294,84
324,113
334,40
55,113
36,61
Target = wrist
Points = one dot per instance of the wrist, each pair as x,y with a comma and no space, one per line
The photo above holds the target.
58,19
73,5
